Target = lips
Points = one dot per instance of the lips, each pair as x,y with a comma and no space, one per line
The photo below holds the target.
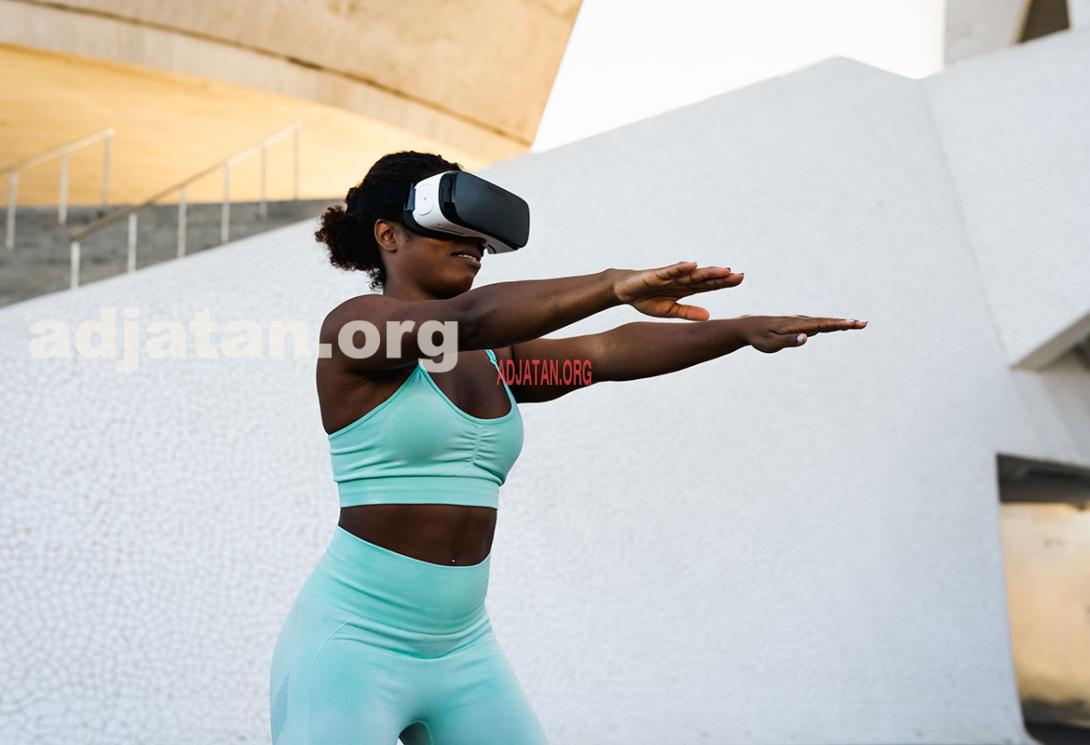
468,256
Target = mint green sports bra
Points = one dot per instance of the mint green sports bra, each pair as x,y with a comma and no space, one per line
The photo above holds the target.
417,447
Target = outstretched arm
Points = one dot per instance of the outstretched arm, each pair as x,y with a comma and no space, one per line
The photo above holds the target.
646,349
505,313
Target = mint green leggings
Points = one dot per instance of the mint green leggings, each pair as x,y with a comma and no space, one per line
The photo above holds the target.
379,645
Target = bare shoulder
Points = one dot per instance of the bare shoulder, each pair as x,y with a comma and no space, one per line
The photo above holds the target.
360,307
363,305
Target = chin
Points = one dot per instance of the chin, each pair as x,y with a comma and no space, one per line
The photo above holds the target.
456,287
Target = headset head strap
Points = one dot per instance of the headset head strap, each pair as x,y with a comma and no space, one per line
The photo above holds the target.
373,197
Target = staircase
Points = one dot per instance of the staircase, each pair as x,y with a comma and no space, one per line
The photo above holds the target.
40,261
62,247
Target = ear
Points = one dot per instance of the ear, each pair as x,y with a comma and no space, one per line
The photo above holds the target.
387,235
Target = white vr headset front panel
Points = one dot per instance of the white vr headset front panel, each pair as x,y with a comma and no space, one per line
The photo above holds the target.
428,214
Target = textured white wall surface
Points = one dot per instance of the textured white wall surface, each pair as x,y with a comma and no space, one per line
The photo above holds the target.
792,548
1014,127
1078,12
975,27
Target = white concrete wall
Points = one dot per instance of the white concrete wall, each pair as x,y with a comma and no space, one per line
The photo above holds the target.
792,548
975,27
1078,13
1014,130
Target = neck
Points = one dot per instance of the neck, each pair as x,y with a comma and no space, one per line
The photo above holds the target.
408,293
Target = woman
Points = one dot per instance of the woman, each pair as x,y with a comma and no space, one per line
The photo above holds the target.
389,636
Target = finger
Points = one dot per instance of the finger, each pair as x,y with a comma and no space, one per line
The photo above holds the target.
705,273
853,324
839,324
665,276
715,284
810,325
775,342
688,312
673,271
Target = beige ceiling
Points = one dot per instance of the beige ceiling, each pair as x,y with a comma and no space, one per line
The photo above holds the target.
170,126
476,73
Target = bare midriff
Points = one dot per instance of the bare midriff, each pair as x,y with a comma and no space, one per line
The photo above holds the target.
449,534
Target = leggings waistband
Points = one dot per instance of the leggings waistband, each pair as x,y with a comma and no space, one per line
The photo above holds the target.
402,603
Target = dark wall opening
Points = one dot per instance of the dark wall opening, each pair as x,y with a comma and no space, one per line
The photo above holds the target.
1045,17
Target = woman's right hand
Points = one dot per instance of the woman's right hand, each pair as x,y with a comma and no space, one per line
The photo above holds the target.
655,292
772,333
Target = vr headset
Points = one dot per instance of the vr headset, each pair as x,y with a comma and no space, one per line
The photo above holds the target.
453,203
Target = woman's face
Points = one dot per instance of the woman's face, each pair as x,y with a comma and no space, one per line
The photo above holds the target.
441,268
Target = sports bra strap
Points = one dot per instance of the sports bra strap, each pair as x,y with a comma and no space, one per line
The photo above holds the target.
492,356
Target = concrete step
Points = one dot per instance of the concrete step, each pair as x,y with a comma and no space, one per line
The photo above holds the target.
39,263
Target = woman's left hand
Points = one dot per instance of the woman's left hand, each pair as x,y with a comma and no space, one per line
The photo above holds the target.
655,292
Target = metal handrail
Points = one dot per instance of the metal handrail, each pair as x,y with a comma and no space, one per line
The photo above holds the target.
62,152
225,212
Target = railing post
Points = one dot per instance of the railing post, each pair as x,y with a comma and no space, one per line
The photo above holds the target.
295,162
131,214
225,213
13,196
73,281
106,169
262,209
62,199
132,243
181,222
